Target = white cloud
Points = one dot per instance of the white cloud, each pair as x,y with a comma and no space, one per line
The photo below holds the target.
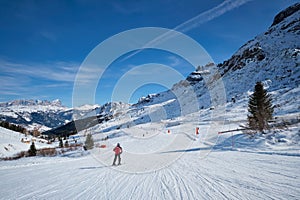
174,61
89,74
48,35
125,7
211,14
24,80
56,71
194,22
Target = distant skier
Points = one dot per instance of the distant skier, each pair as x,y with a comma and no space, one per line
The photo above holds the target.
118,151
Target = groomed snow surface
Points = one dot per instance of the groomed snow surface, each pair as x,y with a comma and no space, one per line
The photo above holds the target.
162,164
222,175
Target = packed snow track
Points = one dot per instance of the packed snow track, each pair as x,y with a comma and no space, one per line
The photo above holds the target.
220,175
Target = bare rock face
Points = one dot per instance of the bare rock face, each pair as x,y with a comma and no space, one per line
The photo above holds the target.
286,13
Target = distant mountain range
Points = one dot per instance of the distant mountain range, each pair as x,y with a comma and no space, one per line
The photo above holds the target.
41,114
55,103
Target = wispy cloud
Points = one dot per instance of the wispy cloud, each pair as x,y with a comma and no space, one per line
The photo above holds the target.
13,86
211,14
153,72
202,18
125,7
22,80
194,22
48,35
174,61
89,74
56,71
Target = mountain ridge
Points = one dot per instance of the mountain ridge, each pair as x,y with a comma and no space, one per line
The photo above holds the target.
31,102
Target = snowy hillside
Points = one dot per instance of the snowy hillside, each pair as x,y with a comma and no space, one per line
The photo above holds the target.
12,143
272,57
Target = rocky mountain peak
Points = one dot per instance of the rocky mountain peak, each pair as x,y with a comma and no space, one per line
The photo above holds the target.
277,45
31,102
286,13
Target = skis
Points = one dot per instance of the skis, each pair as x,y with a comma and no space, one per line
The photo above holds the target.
115,165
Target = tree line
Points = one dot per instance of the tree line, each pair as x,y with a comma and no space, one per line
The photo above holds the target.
13,127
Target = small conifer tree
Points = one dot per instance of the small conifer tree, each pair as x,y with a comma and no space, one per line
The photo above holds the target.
89,142
260,108
32,150
67,144
61,144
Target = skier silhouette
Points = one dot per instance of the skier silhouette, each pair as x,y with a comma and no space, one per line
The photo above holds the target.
118,151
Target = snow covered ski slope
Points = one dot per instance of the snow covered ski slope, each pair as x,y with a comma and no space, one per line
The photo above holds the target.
162,164
221,175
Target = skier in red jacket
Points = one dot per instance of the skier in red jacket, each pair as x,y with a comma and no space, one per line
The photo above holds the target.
118,150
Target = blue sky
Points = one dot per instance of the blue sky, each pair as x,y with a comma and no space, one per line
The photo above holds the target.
43,43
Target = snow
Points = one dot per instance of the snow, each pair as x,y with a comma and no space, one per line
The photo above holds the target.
10,143
161,165
87,107
32,108
220,175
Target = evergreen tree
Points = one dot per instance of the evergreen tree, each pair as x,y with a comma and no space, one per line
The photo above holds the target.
61,144
13,127
32,150
260,108
67,144
89,142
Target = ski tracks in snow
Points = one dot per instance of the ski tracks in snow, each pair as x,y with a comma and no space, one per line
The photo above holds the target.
221,175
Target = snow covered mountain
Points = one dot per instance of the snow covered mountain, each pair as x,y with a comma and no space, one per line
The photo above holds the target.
273,57
46,115
88,116
35,104
35,113
41,114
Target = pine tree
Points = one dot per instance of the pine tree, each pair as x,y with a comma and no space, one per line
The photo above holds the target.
32,150
89,142
67,144
260,108
61,144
